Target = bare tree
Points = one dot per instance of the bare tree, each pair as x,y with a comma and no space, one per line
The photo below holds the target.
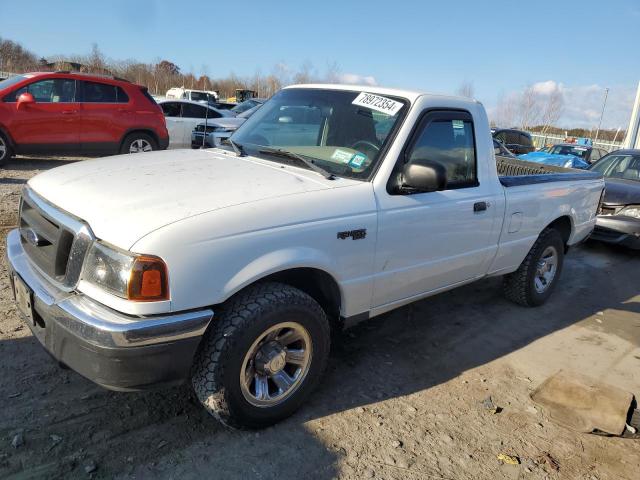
466,89
552,110
529,108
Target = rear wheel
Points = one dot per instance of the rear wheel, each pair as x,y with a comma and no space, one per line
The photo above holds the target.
534,281
5,150
264,356
138,143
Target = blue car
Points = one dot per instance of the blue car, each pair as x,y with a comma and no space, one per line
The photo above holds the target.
568,155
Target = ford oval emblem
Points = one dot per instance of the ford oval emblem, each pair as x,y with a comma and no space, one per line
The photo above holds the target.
31,236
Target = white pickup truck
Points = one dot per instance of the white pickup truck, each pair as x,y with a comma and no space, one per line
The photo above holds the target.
230,268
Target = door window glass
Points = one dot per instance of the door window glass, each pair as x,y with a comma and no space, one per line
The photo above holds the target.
449,141
51,90
95,92
171,109
190,110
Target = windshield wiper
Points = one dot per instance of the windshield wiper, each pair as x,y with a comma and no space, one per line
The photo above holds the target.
239,149
309,163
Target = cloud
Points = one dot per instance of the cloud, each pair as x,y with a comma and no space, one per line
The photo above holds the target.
355,79
582,104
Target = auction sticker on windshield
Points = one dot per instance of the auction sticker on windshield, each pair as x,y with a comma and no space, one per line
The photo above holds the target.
377,103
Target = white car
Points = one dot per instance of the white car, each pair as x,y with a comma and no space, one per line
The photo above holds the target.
219,129
182,116
231,268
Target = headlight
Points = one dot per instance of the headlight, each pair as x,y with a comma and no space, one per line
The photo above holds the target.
125,274
630,211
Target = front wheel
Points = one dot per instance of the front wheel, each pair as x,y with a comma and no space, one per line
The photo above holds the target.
534,281
5,150
138,143
263,357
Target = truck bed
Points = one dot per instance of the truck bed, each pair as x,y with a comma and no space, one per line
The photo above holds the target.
513,172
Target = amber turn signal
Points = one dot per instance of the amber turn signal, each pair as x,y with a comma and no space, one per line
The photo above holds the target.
148,281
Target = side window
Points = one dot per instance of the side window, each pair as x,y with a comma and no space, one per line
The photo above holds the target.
51,90
513,138
171,109
525,140
447,138
121,95
95,92
193,111
502,137
595,155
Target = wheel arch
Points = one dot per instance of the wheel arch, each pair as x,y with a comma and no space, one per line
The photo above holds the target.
146,131
315,282
564,226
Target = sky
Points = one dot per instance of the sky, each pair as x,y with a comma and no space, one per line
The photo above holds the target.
501,47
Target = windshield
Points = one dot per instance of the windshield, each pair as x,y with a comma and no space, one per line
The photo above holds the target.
11,81
619,166
244,106
341,131
569,150
199,97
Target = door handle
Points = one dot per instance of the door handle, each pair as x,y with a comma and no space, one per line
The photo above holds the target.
69,112
480,206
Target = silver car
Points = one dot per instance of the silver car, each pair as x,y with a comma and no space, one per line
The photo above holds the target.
218,129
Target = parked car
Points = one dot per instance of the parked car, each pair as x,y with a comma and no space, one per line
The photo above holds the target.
568,155
247,105
516,141
70,113
619,216
182,116
232,268
219,129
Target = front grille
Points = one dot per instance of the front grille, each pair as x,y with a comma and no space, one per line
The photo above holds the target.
200,128
53,240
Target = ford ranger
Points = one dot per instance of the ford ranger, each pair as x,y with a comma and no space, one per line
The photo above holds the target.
230,268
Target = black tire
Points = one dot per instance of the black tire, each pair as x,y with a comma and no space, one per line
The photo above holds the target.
143,139
6,152
242,321
520,286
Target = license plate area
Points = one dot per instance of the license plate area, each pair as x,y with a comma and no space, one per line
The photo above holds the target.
24,298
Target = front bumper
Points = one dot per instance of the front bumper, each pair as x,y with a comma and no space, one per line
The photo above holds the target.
213,139
618,229
117,351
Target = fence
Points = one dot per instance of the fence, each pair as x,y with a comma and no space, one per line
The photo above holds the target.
540,141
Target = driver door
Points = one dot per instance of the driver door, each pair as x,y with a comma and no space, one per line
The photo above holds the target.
428,241
53,122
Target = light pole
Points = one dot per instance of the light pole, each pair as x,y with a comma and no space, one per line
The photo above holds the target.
604,104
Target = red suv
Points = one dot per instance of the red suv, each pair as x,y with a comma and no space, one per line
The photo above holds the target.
72,113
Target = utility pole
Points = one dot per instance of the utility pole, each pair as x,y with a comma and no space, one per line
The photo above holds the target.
604,104
631,139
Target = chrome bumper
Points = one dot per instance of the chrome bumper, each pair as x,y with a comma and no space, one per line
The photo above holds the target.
76,329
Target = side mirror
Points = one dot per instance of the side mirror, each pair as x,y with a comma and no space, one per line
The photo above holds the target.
497,150
424,176
25,99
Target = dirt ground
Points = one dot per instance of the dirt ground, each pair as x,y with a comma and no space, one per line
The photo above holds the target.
402,398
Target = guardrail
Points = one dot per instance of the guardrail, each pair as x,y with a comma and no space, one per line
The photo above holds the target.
540,141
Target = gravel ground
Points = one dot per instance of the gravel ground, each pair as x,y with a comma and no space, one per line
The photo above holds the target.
402,397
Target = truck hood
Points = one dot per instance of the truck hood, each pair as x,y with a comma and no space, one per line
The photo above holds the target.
125,197
554,159
619,191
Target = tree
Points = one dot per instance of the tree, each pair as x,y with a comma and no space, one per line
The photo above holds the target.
552,110
465,89
529,108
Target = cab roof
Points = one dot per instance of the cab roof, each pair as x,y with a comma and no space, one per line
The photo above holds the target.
411,95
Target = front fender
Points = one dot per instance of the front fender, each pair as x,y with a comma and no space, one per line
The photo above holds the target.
279,261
